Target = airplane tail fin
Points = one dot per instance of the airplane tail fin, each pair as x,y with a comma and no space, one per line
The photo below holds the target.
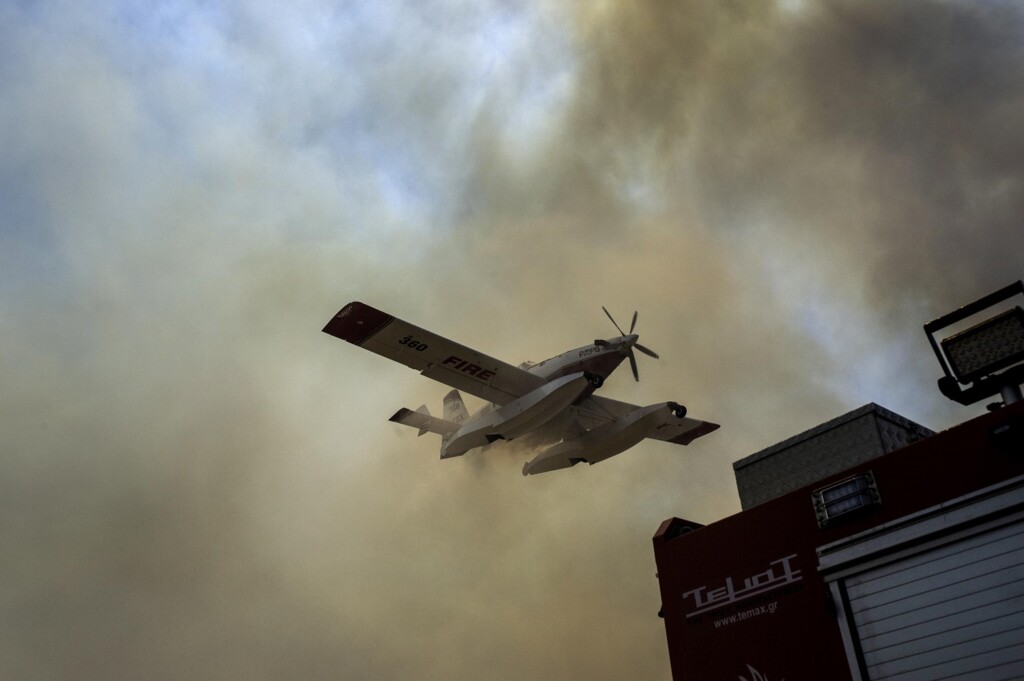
426,423
454,409
455,414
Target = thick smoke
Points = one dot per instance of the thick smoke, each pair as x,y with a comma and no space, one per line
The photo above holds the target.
196,483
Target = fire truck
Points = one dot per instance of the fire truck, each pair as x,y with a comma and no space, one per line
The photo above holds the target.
867,548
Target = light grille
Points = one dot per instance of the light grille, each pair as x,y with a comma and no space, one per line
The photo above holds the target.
987,347
853,494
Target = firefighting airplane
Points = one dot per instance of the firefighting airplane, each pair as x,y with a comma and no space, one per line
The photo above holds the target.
549,402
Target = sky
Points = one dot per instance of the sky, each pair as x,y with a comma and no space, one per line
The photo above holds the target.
195,482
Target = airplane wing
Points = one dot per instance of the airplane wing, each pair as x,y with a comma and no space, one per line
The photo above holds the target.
433,356
596,411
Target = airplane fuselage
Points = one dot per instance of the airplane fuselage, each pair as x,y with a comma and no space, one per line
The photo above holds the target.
571,377
598,359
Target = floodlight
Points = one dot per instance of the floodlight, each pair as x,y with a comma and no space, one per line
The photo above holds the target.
975,356
987,347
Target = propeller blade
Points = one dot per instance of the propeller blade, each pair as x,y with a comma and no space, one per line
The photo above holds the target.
626,345
646,351
613,320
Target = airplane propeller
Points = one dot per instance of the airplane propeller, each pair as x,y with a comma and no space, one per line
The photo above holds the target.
630,355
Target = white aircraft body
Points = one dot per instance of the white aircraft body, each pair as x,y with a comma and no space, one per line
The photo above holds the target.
548,403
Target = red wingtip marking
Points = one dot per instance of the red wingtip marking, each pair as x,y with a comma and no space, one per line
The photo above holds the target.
356,322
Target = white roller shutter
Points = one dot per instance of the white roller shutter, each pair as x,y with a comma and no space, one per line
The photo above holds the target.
951,612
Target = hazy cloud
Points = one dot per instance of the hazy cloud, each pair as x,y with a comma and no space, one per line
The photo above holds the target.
196,482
